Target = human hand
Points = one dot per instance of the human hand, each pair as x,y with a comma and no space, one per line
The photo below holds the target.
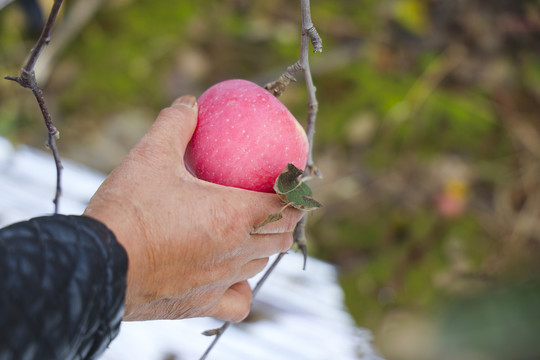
190,243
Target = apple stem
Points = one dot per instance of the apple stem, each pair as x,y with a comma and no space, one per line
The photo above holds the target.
27,79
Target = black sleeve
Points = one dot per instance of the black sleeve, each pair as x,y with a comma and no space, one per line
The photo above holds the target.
62,288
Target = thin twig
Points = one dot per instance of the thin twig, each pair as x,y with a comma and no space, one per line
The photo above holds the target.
267,273
309,34
278,87
27,79
219,331
299,236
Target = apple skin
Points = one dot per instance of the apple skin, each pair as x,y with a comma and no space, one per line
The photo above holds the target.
244,138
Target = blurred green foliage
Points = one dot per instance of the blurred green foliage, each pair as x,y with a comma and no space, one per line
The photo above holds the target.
427,134
497,324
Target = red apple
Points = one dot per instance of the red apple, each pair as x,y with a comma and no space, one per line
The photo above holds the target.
245,137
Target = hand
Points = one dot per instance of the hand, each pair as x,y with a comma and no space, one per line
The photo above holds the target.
190,243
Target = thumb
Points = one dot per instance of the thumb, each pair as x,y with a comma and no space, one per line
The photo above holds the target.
175,125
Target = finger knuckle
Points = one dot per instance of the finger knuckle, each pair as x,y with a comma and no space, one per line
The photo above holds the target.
221,273
264,262
291,218
169,112
258,266
286,241
241,312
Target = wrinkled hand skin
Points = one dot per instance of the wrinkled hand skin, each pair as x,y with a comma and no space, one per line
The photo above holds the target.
190,243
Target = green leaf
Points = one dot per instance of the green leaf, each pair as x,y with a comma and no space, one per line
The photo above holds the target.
288,180
301,198
293,191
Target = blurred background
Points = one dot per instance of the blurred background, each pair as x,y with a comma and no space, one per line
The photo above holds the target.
428,136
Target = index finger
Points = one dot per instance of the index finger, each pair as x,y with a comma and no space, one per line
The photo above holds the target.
253,207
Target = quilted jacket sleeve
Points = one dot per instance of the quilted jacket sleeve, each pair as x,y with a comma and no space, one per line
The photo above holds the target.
62,288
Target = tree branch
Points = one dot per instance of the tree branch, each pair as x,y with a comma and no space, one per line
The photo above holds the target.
27,79
309,33
299,236
278,87
219,331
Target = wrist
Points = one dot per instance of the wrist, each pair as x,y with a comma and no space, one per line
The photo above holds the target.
126,233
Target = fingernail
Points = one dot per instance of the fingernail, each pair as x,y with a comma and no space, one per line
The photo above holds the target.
186,100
